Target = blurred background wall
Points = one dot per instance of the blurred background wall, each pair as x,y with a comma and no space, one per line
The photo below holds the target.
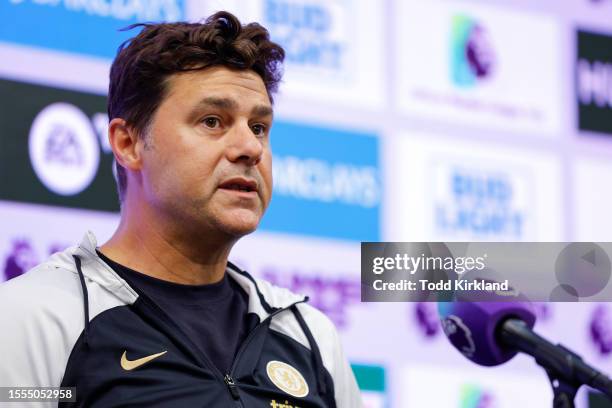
431,120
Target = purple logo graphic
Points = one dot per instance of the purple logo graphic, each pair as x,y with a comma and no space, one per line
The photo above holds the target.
601,329
459,335
543,311
57,247
20,259
332,296
472,55
479,52
426,315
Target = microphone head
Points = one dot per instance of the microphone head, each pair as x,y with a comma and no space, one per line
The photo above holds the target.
472,328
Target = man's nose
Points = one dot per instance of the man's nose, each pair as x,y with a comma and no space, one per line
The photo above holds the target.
243,145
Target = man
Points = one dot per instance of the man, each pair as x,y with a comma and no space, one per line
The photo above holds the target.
157,316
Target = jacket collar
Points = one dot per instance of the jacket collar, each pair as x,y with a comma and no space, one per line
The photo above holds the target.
264,298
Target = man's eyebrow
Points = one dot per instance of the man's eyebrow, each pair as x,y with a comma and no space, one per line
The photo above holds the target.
221,103
262,110
231,104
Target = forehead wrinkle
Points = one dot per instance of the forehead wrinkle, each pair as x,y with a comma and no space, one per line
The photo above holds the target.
230,104
218,102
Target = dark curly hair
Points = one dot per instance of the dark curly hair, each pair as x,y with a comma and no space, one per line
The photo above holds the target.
144,63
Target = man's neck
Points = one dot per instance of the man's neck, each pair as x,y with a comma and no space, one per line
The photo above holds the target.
158,252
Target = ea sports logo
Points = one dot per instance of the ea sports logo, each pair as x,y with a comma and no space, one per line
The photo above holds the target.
63,149
287,378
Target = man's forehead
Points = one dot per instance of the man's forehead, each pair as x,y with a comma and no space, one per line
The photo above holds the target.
230,103
219,83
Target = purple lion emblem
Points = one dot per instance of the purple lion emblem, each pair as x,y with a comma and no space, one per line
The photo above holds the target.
427,318
601,329
479,52
20,259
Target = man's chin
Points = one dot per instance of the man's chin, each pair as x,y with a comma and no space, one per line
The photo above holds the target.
238,232
239,225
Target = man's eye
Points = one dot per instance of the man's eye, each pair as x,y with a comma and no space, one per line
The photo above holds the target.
259,130
211,122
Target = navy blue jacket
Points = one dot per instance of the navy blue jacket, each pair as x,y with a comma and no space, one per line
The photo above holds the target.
73,322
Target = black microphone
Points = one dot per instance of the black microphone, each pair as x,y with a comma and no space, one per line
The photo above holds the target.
491,333
515,334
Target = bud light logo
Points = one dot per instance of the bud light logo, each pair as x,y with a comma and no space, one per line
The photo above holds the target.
326,183
313,33
84,26
479,204
472,55
64,150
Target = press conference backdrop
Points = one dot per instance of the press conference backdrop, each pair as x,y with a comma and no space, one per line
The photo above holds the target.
409,120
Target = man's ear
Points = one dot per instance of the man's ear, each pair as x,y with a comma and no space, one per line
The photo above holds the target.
124,141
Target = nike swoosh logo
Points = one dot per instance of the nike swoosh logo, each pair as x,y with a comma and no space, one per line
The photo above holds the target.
132,364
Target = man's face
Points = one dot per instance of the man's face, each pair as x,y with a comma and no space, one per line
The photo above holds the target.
207,163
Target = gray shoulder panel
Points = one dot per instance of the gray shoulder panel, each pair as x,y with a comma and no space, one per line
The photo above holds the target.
42,316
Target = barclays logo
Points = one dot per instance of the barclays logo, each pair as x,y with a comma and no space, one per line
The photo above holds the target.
326,183
82,26
472,55
151,10
318,180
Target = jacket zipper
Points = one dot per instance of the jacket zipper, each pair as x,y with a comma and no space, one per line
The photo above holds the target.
226,379
231,385
202,356
246,341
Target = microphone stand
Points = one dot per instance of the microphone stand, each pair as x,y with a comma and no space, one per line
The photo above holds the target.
566,370
564,391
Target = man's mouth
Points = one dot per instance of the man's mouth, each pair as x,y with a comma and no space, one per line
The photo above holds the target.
240,184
